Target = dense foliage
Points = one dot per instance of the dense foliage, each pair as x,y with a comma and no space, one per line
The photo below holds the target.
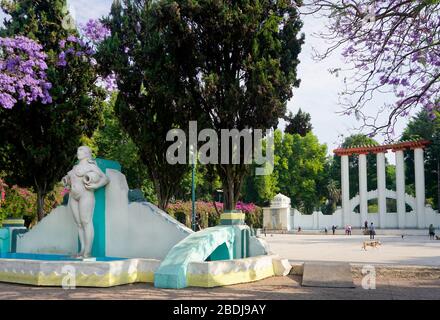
40,136
298,123
423,127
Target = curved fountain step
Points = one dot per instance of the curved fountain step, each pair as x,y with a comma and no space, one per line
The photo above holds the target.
215,243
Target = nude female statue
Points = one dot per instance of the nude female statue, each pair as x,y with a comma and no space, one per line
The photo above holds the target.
82,181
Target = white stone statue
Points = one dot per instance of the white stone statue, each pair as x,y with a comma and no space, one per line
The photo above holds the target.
82,181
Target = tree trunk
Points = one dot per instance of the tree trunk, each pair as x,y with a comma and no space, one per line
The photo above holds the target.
229,189
162,193
229,196
40,204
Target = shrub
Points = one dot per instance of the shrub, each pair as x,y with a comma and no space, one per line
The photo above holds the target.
207,216
20,203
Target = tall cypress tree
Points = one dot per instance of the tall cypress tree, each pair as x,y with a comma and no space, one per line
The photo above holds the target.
39,140
299,123
226,64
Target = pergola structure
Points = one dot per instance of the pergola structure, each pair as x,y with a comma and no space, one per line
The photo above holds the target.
398,149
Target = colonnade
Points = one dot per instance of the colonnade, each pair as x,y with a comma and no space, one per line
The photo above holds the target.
380,151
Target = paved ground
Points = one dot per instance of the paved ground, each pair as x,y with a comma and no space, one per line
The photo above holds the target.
412,250
279,288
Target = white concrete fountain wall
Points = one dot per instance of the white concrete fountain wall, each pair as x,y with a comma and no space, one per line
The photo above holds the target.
138,230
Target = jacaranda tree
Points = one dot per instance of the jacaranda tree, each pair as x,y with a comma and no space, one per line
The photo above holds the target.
393,47
49,97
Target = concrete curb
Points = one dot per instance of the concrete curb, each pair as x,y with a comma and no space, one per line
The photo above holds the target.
392,271
400,271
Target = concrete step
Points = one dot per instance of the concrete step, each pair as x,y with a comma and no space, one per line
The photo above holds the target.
327,275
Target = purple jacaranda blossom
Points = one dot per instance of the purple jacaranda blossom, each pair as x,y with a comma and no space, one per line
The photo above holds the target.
22,72
95,31
110,82
72,38
396,51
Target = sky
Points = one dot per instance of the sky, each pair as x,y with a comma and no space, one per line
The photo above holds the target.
318,92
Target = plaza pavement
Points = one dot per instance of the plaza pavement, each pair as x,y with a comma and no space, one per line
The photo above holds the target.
276,288
411,250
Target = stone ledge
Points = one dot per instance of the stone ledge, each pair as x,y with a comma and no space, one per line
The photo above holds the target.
398,271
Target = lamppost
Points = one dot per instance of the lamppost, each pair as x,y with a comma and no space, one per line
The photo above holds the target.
193,188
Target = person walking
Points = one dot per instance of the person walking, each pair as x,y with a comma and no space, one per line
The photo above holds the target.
349,230
333,229
372,231
431,231
366,225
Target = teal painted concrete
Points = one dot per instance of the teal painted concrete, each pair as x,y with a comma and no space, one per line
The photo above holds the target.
221,253
14,235
4,240
197,247
231,222
245,234
98,248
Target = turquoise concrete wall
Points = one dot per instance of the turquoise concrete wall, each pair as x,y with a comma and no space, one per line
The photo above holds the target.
4,240
197,247
98,248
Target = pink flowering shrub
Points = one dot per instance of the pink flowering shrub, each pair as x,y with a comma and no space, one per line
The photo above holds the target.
208,217
18,203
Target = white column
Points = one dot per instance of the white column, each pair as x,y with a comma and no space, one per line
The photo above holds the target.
345,186
363,206
419,169
381,186
400,189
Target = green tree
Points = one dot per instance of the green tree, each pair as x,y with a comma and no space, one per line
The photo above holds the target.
422,127
240,67
298,123
111,142
146,58
259,189
39,140
300,165
206,184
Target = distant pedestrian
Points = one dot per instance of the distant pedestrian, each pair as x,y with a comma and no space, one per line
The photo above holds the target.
264,230
326,231
366,225
372,231
431,232
299,229
333,229
349,230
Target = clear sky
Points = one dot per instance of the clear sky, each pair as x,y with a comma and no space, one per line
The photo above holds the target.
318,93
